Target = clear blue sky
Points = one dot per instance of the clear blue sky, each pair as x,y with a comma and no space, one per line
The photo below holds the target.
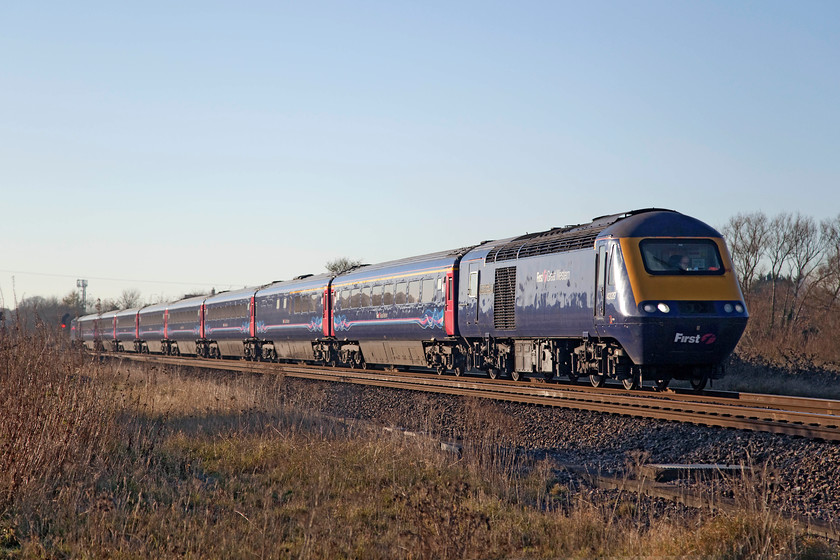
235,143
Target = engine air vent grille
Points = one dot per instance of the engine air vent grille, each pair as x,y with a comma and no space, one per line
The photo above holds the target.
504,298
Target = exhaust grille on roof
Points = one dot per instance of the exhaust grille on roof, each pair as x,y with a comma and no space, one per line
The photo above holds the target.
553,241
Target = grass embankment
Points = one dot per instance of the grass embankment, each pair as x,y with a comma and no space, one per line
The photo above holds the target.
108,460
793,378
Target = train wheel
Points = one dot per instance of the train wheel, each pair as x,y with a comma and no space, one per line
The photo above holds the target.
662,384
698,383
573,378
440,370
515,375
458,371
493,373
598,380
634,381
630,384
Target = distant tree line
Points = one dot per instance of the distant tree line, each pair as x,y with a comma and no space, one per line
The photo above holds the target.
789,269
51,310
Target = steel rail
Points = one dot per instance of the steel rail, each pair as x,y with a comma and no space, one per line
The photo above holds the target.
741,412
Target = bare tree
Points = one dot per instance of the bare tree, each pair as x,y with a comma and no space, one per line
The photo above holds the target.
129,298
73,300
747,239
806,248
778,253
829,271
342,264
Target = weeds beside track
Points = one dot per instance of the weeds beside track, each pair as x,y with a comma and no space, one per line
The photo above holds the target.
105,460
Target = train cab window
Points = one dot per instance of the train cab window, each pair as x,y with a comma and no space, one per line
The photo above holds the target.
413,292
399,294
612,262
681,256
429,290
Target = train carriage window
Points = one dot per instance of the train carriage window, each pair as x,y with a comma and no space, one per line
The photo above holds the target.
376,296
365,297
413,291
429,290
399,294
355,298
388,294
314,302
472,289
344,299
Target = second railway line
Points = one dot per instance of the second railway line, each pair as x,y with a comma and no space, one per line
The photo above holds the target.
794,416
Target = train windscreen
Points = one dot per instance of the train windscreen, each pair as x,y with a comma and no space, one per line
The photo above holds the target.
681,256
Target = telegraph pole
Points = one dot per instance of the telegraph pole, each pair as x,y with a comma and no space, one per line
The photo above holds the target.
82,283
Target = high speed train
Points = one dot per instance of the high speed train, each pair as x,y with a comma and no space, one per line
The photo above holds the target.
643,295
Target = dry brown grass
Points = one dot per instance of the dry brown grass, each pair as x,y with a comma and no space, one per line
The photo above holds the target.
112,460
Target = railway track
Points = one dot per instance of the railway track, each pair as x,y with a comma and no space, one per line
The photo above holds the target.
794,416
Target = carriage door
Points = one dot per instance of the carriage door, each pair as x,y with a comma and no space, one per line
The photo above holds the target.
600,284
472,304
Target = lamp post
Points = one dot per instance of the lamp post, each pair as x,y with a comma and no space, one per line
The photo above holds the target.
82,283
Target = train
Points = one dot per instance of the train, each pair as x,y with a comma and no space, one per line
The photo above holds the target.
646,295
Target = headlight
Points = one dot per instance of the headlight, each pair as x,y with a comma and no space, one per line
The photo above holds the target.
649,308
739,308
663,307
728,308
